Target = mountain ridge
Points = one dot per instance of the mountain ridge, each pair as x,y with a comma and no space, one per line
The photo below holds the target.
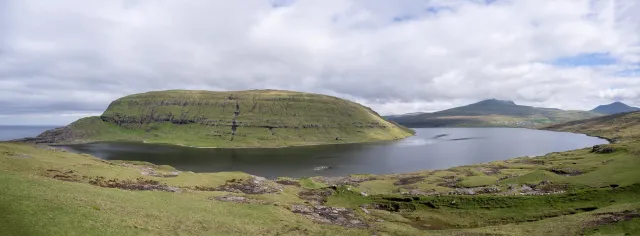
614,108
491,113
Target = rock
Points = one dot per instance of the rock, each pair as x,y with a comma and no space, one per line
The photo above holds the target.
252,185
316,196
475,191
364,194
365,210
352,181
330,215
240,199
417,192
321,168
602,149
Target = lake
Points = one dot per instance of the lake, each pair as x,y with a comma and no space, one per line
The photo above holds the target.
431,148
17,132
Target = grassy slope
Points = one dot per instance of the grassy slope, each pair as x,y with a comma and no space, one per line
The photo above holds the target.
267,118
33,204
492,113
623,127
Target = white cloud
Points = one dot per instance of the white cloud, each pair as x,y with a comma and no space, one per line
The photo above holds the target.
72,56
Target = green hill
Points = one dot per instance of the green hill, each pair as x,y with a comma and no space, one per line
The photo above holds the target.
256,118
492,113
617,127
614,108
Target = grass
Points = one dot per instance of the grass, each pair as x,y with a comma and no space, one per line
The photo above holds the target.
266,118
584,193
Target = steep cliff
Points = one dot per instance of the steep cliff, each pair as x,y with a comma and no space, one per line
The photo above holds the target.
256,118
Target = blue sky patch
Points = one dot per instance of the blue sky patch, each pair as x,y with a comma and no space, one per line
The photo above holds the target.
586,59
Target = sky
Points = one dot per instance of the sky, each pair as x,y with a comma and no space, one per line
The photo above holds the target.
65,59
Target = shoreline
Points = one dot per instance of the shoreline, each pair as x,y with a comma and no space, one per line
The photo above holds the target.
349,175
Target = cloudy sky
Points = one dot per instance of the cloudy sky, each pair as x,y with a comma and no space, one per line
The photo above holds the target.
64,59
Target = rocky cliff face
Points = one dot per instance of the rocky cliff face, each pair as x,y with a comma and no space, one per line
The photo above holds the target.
234,119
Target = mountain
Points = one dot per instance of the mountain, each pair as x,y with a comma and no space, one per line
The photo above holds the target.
614,108
256,118
491,113
616,127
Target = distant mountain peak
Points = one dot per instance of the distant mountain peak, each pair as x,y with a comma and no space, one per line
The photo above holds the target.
494,101
614,108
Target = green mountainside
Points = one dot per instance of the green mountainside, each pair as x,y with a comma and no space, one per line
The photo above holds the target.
491,113
614,108
256,118
617,127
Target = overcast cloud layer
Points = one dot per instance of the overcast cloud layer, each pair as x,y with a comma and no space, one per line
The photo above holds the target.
64,59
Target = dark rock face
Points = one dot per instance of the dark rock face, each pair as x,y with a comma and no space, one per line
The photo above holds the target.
602,149
57,135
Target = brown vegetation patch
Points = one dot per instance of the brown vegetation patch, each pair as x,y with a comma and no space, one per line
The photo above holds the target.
612,217
69,175
409,180
566,171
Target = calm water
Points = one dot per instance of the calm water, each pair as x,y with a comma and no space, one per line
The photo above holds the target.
430,149
16,132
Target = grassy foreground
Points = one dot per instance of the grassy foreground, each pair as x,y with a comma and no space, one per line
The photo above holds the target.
47,191
255,118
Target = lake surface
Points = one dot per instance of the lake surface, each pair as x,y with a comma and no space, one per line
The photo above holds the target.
17,132
431,148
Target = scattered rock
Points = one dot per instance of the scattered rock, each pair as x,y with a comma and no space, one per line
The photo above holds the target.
137,184
450,181
239,199
602,149
330,215
321,168
252,185
151,172
545,187
336,181
15,155
365,210
474,191
418,192
316,196
409,180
